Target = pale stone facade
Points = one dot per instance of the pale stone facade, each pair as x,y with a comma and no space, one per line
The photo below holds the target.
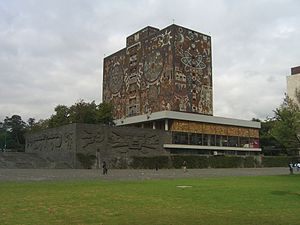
293,84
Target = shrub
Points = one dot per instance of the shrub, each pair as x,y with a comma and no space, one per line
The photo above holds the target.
278,161
225,161
150,162
196,161
250,162
191,160
86,160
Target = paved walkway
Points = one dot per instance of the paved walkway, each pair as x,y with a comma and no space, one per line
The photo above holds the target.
131,174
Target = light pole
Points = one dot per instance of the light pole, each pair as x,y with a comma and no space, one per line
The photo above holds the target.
5,141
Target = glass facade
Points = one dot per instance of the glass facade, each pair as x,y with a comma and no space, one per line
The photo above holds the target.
214,140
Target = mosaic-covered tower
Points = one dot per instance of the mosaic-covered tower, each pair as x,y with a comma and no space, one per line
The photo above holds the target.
160,70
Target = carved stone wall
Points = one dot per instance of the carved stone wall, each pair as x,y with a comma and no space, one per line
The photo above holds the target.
161,70
59,146
61,139
119,144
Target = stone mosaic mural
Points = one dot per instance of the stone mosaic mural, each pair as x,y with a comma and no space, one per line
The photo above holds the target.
207,128
168,69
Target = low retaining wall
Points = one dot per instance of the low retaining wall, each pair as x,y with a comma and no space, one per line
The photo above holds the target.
194,161
23,160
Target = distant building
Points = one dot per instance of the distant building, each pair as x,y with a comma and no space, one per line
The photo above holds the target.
162,80
293,84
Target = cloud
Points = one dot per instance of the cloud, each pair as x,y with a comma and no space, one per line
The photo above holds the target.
52,51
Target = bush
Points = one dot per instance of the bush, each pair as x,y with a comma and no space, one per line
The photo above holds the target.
196,161
86,160
192,161
225,161
118,163
278,161
150,162
250,162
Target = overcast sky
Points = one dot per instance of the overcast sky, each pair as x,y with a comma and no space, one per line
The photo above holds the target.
51,51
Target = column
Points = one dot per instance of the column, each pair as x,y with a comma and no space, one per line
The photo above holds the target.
166,125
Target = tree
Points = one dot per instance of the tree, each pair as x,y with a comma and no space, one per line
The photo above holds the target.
268,143
61,116
36,126
104,113
15,128
286,127
3,136
82,112
31,122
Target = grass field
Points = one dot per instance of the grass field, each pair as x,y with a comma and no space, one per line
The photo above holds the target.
233,200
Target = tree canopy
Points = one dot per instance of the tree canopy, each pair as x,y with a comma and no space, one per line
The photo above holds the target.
12,132
82,112
286,126
12,129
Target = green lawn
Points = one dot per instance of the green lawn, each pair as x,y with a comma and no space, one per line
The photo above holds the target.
236,200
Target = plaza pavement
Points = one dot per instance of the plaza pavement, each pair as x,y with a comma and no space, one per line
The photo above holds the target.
132,174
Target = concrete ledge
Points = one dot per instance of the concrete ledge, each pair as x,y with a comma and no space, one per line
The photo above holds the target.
186,116
211,147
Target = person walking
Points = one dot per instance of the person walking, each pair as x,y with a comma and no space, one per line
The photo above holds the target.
184,166
291,168
104,168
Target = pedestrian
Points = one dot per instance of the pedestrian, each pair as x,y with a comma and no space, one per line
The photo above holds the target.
104,168
184,166
291,168
156,166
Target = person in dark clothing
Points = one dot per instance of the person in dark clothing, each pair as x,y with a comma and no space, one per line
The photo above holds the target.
104,168
291,168
184,166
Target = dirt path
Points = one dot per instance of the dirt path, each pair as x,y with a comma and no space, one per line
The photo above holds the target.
130,174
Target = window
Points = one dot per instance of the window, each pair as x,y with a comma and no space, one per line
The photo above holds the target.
180,138
244,142
196,139
254,143
209,139
221,140
233,141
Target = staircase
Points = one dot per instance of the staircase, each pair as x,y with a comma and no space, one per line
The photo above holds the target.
22,160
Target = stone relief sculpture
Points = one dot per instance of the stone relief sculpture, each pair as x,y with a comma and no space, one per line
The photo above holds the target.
140,142
93,138
50,141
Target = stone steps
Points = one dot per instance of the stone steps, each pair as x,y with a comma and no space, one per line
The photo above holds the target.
22,160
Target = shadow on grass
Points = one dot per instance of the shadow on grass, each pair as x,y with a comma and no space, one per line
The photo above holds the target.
281,193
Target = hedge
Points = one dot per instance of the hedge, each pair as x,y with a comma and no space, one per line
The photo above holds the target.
278,161
86,160
225,161
250,162
196,161
192,161
150,162
176,161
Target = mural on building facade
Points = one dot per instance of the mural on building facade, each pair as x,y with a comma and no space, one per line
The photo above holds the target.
160,70
208,128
